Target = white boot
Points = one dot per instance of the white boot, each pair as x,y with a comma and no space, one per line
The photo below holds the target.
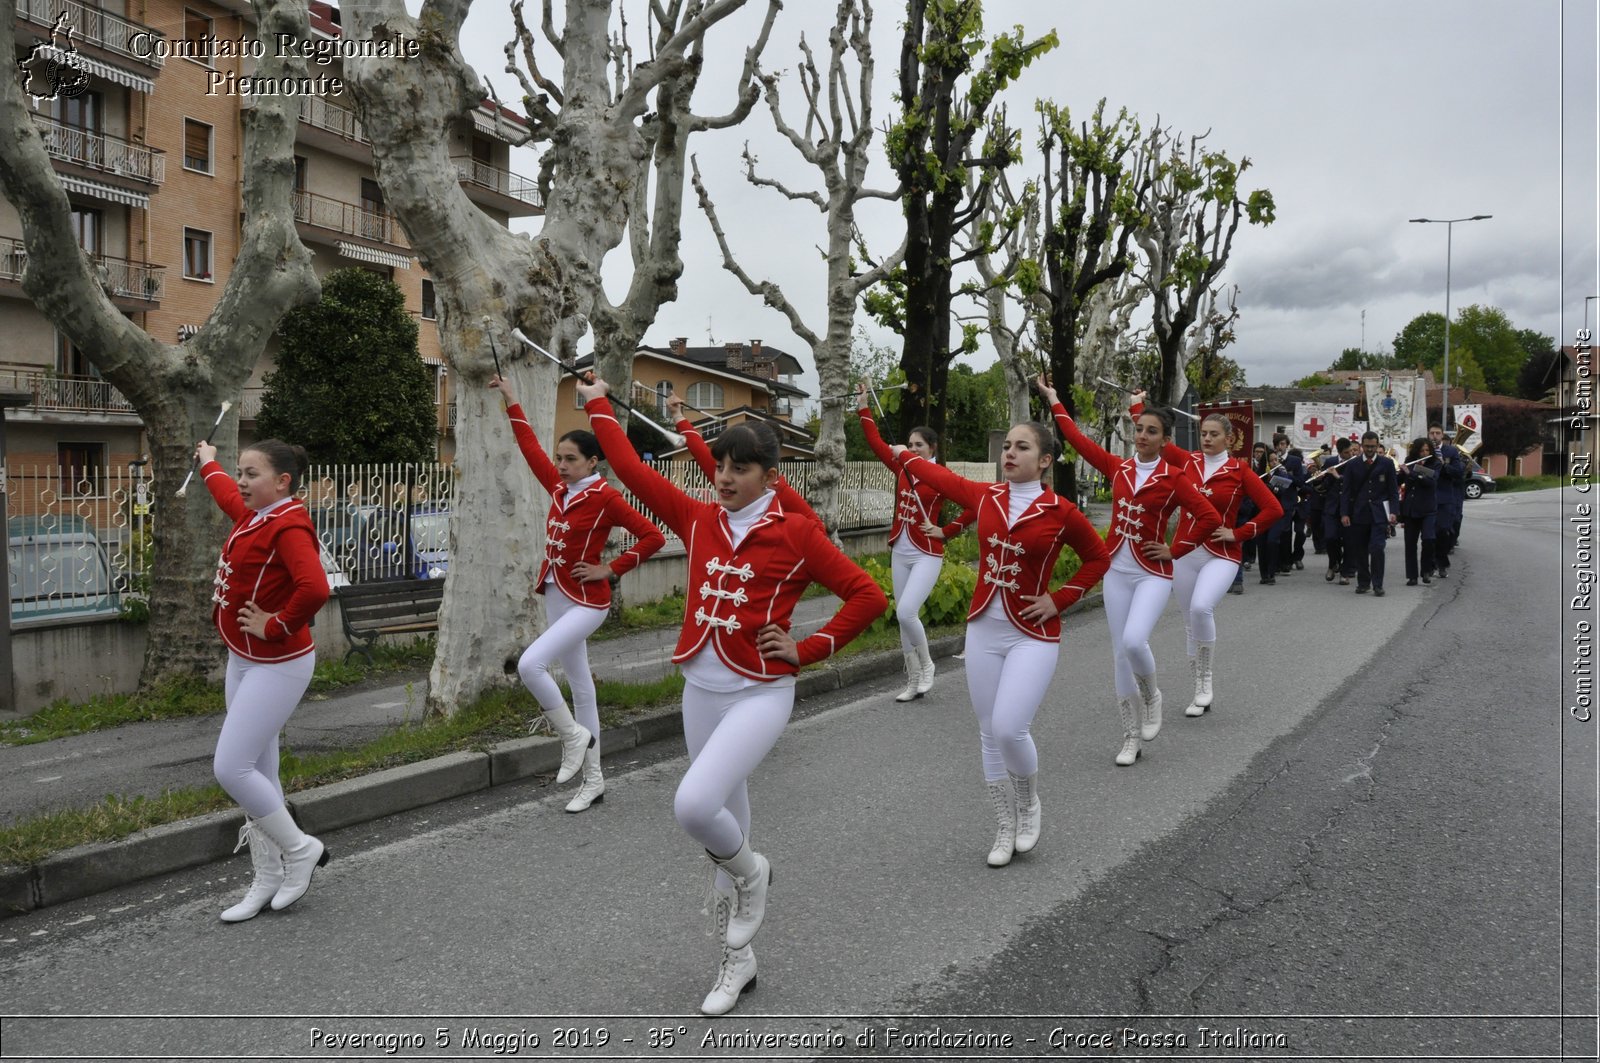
1029,812
925,669
913,678
575,740
1128,708
302,855
1003,798
751,874
1202,675
735,977
1150,694
268,864
593,789
1195,708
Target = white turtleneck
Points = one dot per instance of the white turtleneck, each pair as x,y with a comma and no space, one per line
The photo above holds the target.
740,521
1022,496
582,485
1143,469
1213,463
261,514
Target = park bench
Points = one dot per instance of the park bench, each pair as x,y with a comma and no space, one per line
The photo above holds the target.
388,607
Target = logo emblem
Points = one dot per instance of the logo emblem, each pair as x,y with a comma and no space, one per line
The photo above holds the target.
54,71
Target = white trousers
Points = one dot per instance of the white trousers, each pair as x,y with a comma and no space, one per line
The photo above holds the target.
1200,579
728,734
915,573
1007,675
260,699
567,626
1133,605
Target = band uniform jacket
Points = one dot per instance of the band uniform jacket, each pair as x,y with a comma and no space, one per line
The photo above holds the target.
1141,516
274,562
1367,486
733,592
1418,486
915,500
578,526
695,444
1226,490
1452,487
1016,559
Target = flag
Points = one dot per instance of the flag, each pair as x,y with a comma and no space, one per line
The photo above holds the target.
1344,422
1389,401
1242,415
1313,425
1471,416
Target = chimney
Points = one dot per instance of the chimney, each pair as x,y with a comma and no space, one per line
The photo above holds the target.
679,346
755,350
760,364
735,356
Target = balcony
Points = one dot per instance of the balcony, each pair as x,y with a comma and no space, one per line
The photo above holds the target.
133,165
497,189
58,398
250,404
99,29
133,285
323,219
333,129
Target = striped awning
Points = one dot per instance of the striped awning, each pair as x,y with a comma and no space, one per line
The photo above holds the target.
126,78
85,187
362,253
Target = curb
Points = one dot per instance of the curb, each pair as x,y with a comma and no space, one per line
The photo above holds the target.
85,870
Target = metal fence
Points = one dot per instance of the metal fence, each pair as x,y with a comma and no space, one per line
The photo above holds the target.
79,536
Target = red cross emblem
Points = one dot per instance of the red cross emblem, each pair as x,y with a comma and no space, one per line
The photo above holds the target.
1313,427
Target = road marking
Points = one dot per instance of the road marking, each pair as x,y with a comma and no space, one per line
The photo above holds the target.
50,778
388,704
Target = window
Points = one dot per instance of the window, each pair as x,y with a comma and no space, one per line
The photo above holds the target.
83,469
299,173
428,310
707,395
86,225
663,389
373,219
78,112
71,362
197,37
196,146
197,254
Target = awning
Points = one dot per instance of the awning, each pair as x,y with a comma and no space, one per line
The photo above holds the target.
126,78
85,187
363,253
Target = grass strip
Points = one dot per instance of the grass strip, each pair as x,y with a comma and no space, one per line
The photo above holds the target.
1532,483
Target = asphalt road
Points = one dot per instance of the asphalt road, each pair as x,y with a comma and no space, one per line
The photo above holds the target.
1380,843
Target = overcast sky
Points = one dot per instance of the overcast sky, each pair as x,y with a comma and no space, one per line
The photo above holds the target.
1357,114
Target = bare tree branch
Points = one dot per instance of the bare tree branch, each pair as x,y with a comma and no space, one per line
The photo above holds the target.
814,198
749,78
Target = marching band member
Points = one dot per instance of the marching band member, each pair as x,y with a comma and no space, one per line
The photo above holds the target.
1285,480
269,586
583,510
1202,577
1144,492
1329,483
915,556
752,559
1452,497
1014,623
1419,505
1367,510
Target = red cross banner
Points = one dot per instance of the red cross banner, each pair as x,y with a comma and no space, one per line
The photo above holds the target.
1242,415
1470,416
1313,424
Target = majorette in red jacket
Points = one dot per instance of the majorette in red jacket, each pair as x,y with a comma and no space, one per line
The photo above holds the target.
695,444
1141,516
1226,489
916,500
1017,560
577,527
733,593
273,562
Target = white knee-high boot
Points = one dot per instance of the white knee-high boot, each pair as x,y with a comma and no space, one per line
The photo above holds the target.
1150,695
1004,800
752,874
1030,813
593,789
1202,675
268,864
736,975
1128,709
913,689
925,673
302,855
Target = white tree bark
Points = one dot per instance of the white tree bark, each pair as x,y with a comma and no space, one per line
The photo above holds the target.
490,279
1013,280
176,390
837,143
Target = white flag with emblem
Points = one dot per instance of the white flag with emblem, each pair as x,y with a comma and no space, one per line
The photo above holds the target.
1313,425
1470,416
1344,422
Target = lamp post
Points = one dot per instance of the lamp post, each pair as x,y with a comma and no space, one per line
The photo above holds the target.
1449,232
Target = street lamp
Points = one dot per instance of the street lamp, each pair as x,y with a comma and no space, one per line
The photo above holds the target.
1449,231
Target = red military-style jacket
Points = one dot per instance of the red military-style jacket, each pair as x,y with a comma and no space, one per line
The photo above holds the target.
1141,516
578,526
916,500
733,592
1016,559
695,444
274,562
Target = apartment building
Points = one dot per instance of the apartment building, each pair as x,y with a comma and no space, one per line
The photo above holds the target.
150,154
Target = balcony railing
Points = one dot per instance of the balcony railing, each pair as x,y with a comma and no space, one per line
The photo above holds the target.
316,111
127,280
99,28
66,393
325,213
100,151
250,403
506,183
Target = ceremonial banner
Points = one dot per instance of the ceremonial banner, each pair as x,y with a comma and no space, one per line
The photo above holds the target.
1313,425
1242,415
1389,407
1471,416
1344,422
